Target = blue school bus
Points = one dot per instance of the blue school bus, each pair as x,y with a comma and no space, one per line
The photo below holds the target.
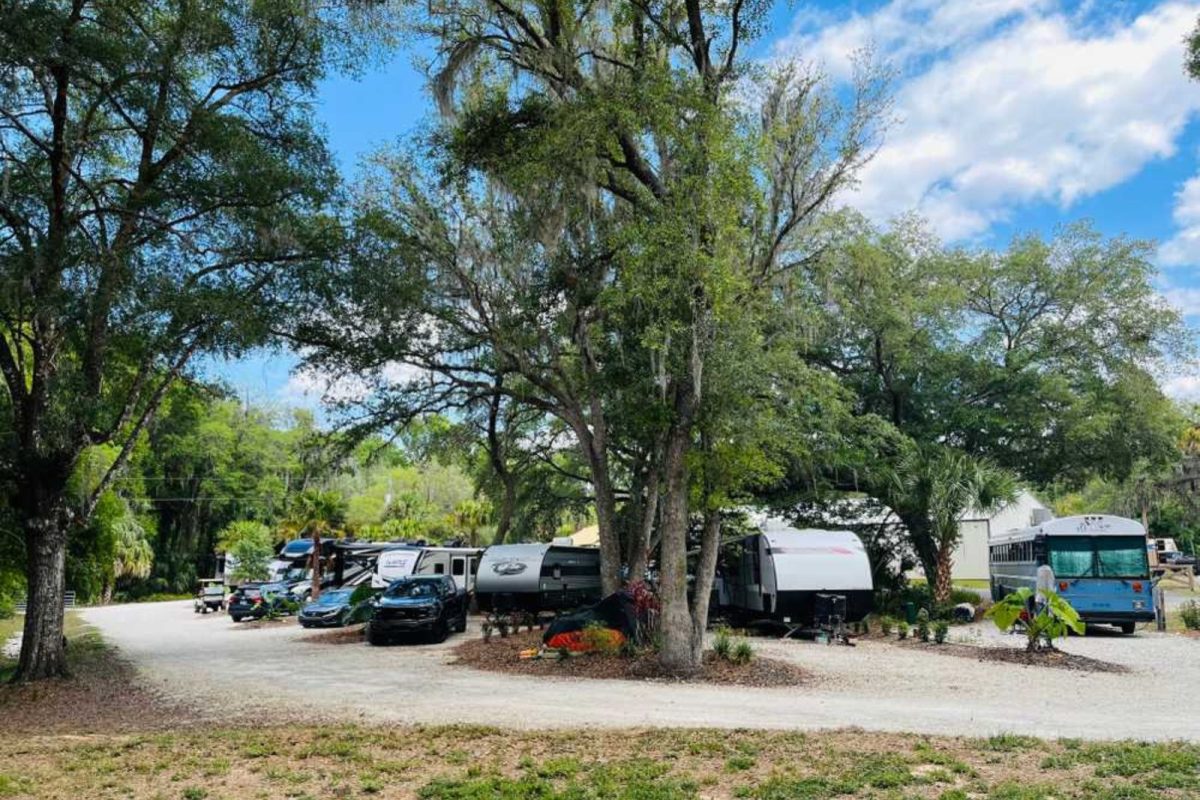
1099,564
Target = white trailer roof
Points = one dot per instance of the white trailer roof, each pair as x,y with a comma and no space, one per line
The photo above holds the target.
816,560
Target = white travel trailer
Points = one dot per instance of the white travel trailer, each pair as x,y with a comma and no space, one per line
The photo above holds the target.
460,563
779,574
537,577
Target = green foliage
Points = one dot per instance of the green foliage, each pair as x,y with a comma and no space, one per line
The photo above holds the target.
235,533
722,644
940,629
742,653
922,629
902,630
253,559
1189,614
886,624
600,639
1043,621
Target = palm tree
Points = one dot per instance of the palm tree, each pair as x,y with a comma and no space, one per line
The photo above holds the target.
133,557
470,516
318,514
930,488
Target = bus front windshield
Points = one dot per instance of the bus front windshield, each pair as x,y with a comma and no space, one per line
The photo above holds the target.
1098,556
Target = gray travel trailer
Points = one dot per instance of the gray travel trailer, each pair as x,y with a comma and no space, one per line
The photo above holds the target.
537,577
795,577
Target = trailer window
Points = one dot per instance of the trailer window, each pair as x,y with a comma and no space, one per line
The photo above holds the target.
439,569
458,566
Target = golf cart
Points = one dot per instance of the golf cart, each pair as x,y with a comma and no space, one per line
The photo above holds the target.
211,596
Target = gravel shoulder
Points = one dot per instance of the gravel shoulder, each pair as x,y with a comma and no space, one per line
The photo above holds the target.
231,673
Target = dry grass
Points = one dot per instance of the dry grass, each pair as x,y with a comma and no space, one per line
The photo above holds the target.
476,763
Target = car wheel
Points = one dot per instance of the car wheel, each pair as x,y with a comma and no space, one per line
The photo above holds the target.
236,618
375,638
1127,628
461,627
441,631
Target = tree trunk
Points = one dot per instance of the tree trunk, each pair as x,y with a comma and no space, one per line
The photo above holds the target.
43,647
639,555
706,568
678,655
940,581
606,521
508,504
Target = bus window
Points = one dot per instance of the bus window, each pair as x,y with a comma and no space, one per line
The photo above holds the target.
1121,557
1072,556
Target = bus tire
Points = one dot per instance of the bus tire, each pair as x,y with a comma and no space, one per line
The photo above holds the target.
1127,628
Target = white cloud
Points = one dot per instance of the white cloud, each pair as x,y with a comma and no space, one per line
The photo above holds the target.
1184,247
307,383
1187,300
1008,102
1183,387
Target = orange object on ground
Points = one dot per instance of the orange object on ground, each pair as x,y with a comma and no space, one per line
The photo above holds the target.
583,642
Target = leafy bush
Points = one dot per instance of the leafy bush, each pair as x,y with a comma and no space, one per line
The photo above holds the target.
1189,614
902,629
600,640
923,625
722,643
886,624
742,653
940,629
8,608
1043,622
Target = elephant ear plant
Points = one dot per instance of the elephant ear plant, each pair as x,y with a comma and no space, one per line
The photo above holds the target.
1043,621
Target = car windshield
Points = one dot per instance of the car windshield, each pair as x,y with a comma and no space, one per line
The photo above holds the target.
412,589
333,598
1098,556
213,591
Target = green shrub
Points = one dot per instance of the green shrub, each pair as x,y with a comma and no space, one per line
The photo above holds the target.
1043,622
923,625
600,639
902,629
722,644
8,608
940,629
742,653
1189,614
886,624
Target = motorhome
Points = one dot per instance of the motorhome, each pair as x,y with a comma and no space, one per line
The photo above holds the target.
537,577
778,574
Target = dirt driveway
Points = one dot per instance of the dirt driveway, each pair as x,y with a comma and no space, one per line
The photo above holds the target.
232,671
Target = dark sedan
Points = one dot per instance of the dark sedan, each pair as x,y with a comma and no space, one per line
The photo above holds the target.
429,604
254,601
332,609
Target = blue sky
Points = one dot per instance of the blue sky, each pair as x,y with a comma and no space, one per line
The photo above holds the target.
1012,115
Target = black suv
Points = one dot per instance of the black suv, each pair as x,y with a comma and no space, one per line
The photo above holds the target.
430,604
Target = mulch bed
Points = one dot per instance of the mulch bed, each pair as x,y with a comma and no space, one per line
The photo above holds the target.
501,655
1054,659
255,624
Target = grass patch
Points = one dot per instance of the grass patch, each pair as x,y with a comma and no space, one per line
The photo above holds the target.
461,762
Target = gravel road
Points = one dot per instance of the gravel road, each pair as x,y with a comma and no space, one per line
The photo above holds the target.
231,671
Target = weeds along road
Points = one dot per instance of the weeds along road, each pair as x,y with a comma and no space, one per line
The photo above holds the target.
232,672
